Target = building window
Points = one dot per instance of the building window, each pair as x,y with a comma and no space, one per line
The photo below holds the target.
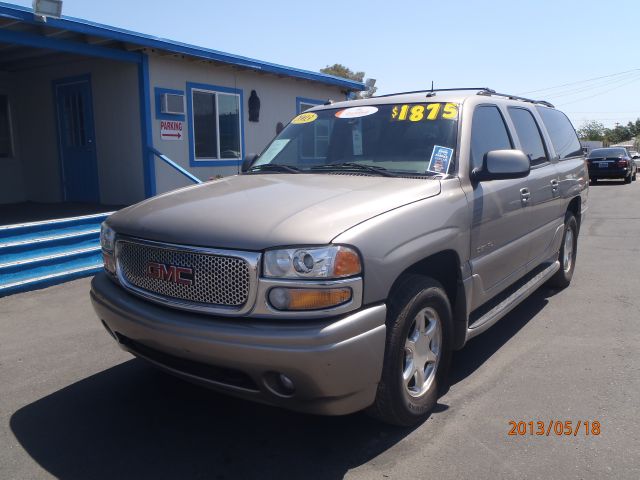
6,143
216,123
303,104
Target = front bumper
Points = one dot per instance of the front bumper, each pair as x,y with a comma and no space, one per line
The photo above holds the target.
334,364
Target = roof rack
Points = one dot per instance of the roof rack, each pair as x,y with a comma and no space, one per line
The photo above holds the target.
481,91
490,92
434,90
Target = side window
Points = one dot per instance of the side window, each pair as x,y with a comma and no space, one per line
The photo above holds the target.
488,132
563,135
529,135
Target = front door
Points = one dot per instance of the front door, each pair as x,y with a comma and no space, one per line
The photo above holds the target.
499,248
77,140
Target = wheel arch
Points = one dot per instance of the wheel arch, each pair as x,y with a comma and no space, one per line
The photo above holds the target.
445,267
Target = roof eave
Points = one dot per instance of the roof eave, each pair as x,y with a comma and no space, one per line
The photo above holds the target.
87,27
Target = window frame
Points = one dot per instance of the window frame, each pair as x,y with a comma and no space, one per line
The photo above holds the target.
216,90
313,102
504,122
12,143
537,124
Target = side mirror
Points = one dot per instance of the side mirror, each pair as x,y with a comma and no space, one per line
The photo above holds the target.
248,161
501,165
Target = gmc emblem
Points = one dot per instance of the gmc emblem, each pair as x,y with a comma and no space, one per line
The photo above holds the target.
171,273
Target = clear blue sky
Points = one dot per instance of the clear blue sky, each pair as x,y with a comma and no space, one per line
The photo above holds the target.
514,47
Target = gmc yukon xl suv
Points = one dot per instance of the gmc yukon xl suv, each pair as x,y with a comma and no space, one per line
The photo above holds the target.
368,241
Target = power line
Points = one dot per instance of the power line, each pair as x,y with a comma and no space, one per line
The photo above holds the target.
580,81
601,93
596,86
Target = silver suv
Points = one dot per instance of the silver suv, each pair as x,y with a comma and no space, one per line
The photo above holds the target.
367,242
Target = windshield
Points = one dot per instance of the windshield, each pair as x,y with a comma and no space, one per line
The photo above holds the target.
415,138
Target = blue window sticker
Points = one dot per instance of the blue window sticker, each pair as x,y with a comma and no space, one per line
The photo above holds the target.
440,159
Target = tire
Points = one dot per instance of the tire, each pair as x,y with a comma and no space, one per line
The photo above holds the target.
407,402
627,179
562,278
633,178
594,181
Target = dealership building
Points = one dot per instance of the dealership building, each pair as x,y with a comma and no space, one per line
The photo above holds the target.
93,118
97,114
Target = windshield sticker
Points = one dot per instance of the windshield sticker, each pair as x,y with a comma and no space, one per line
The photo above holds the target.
440,159
356,138
274,149
306,117
424,111
356,112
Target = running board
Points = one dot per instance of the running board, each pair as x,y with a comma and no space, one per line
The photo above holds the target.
512,301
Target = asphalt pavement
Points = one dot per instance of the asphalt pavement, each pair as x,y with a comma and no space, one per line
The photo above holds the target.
73,406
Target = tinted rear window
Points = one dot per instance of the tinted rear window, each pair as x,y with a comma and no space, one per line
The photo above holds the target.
607,152
529,135
563,135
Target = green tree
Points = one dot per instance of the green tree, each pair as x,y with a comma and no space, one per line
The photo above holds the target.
340,70
618,134
591,131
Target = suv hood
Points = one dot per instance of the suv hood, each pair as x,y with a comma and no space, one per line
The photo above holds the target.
254,212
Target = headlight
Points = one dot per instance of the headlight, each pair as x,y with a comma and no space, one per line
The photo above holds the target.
107,237
333,261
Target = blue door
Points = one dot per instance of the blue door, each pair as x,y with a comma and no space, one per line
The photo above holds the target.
77,140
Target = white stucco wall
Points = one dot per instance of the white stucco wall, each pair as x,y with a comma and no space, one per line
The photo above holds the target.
116,111
277,104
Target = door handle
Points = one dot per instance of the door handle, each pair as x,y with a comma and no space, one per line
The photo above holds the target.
554,185
525,194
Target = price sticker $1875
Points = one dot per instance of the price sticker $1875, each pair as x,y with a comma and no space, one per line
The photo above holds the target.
424,111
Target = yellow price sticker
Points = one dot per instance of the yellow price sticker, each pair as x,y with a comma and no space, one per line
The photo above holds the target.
307,117
424,111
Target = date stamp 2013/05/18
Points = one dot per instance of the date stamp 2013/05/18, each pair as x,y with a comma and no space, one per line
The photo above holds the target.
554,427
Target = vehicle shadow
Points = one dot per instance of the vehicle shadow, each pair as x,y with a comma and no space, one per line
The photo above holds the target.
132,421
605,182
480,349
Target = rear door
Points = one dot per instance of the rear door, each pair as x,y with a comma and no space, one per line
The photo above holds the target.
76,140
544,211
498,249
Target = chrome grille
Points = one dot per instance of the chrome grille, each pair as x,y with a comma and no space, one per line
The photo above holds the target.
218,280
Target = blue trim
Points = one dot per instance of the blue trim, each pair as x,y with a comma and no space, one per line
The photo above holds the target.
144,92
212,88
38,41
175,166
157,92
310,101
86,27
90,126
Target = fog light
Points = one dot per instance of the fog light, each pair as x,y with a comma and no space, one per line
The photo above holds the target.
282,298
286,383
279,383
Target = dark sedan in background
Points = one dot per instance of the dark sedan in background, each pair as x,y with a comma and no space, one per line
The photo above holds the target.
613,162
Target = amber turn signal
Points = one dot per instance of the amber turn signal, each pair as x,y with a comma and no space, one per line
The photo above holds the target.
109,262
308,298
347,263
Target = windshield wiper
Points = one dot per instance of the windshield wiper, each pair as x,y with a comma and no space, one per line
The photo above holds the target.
355,166
276,167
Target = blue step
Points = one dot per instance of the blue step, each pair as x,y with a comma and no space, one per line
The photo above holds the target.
26,231
39,254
